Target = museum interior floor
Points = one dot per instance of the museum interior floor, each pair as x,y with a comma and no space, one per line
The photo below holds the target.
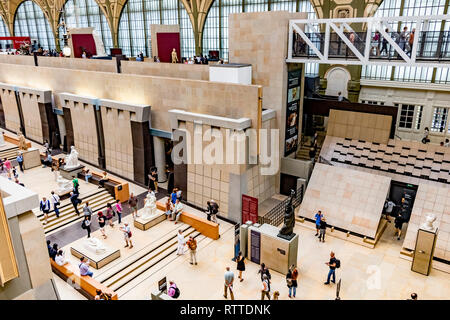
366,273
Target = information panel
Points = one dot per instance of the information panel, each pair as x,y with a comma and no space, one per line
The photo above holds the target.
292,111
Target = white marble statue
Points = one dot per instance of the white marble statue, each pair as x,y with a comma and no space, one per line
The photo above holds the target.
64,185
71,159
95,245
428,224
149,207
2,140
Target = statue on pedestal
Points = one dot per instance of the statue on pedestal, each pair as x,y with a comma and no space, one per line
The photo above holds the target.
2,139
64,185
22,142
428,224
287,231
149,207
174,56
95,245
71,159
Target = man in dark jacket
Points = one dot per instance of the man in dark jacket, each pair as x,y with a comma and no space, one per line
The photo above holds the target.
75,201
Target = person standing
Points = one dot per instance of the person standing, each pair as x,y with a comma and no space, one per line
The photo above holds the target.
398,223
214,211
312,154
265,271
55,201
318,217
323,228
86,224
75,201
291,280
109,215
181,243
132,203
265,291
87,210
389,207
101,222
127,235
425,138
384,44
19,160
192,245
118,209
240,260
332,264
340,97
403,36
7,164
229,278
411,41
44,206
84,267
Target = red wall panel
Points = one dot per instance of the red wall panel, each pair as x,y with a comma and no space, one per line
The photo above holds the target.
166,42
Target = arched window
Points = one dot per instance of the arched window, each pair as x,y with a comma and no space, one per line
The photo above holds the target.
4,32
87,13
215,33
31,22
138,15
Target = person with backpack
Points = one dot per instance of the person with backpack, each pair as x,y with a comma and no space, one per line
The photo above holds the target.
265,271
265,290
322,230
75,202
86,225
333,264
55,201
192,245
44,206
173,290
318,216
127,235
291,280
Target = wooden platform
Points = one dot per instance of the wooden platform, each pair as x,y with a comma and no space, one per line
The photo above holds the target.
143,225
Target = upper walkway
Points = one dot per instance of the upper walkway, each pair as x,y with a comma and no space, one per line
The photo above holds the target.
335,41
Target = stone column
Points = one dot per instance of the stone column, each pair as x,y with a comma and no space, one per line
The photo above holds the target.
160,158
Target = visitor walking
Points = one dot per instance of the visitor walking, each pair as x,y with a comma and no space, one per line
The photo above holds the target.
332,264
55,202
19,160
265,290
322,231
44,206
181,243
229,278
84,267
76,185
87,210
118,210
86,224
214,211
127,235
109,215
265,271
240,260
132,203
192,245
101,222
291,281
75,201
398,223
384,45
318,217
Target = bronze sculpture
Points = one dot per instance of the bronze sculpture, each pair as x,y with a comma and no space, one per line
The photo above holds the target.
287,231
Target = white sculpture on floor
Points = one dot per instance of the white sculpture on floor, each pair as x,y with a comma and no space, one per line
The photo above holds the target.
149,207
428,224
2,140
71,159
95,245
64,185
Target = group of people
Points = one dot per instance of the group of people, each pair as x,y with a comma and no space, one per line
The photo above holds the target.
8,171
400,212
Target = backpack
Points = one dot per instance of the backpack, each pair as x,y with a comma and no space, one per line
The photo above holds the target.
192,245
83,226
177,293
338,263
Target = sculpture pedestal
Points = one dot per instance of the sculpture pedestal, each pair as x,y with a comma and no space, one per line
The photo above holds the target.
277,253
97,261
70,172
31,158
142,224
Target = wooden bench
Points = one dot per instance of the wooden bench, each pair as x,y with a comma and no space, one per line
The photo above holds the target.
86,285
202,225
118,189
14,140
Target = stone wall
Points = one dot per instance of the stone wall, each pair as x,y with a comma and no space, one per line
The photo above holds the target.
10,108
31,116
175,70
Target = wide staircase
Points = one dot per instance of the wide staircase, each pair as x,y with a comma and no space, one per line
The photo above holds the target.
10,153
128,273
67,216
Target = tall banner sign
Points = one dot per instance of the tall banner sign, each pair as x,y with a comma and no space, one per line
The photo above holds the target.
292,111
249,209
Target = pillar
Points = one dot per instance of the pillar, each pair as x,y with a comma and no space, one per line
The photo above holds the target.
160,158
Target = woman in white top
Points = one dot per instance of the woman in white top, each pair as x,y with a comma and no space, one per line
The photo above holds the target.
60,259
181,243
